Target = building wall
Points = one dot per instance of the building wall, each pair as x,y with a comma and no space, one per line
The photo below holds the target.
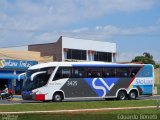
84,44
59,53
19,54
10,71
49,49
88,45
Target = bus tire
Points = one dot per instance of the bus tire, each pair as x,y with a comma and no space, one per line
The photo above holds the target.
122,95
132,95
57,97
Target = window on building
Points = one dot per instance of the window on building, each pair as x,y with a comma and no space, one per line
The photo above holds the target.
103,56
76,54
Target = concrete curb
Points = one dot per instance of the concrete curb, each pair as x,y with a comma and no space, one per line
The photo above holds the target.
79,110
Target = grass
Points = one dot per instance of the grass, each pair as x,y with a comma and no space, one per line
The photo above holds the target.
77,105
152,113
101,115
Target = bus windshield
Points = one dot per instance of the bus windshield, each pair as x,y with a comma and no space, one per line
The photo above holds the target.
37,78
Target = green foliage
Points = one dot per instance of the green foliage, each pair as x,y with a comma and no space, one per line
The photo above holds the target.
157,65
149,114
76,105
146,58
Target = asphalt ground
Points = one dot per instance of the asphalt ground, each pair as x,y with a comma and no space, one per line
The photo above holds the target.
18,100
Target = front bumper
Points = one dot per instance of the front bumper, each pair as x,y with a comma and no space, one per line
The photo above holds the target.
29,95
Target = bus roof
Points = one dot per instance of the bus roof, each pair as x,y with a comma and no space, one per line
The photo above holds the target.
76,64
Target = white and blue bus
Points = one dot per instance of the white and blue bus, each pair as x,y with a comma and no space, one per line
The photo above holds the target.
57,81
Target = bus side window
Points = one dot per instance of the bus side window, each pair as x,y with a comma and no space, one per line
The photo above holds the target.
94,72
80,75
78,72
98,74
122,72
66,73
63,72
89,74
134,71
108,72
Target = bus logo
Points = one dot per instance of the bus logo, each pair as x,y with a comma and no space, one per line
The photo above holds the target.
103,88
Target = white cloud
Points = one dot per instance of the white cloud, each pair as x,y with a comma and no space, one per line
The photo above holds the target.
46,37
127,56
107,32
110,31
114,30
27,21
80,30
56,13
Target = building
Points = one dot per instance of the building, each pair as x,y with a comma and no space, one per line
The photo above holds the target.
70,49
9,72
13,63
16,53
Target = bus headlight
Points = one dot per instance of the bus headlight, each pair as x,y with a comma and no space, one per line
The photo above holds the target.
36,92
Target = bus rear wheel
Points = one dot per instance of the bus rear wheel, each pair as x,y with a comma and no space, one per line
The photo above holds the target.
57,97
122,95
132,95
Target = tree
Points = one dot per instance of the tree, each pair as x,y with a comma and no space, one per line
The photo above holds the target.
146,58
157,65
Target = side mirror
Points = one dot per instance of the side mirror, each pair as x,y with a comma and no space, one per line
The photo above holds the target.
19,76
37,73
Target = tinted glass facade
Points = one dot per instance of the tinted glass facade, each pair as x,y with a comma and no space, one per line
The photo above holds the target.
103,56
76,54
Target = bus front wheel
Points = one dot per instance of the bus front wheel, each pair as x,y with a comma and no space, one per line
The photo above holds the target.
57,97
122,95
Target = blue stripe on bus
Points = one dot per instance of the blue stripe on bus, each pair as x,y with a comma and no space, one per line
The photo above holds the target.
147,89
108,81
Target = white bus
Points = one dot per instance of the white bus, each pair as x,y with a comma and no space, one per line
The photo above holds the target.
57,81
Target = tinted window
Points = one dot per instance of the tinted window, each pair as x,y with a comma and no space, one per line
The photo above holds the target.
40,79
122,72
76,54
109,72
94,72
134,71
63,72
78,72
103,56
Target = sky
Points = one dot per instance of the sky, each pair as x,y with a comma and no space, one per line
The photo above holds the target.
134,25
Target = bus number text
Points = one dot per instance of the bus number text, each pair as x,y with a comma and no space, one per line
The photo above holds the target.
72,83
